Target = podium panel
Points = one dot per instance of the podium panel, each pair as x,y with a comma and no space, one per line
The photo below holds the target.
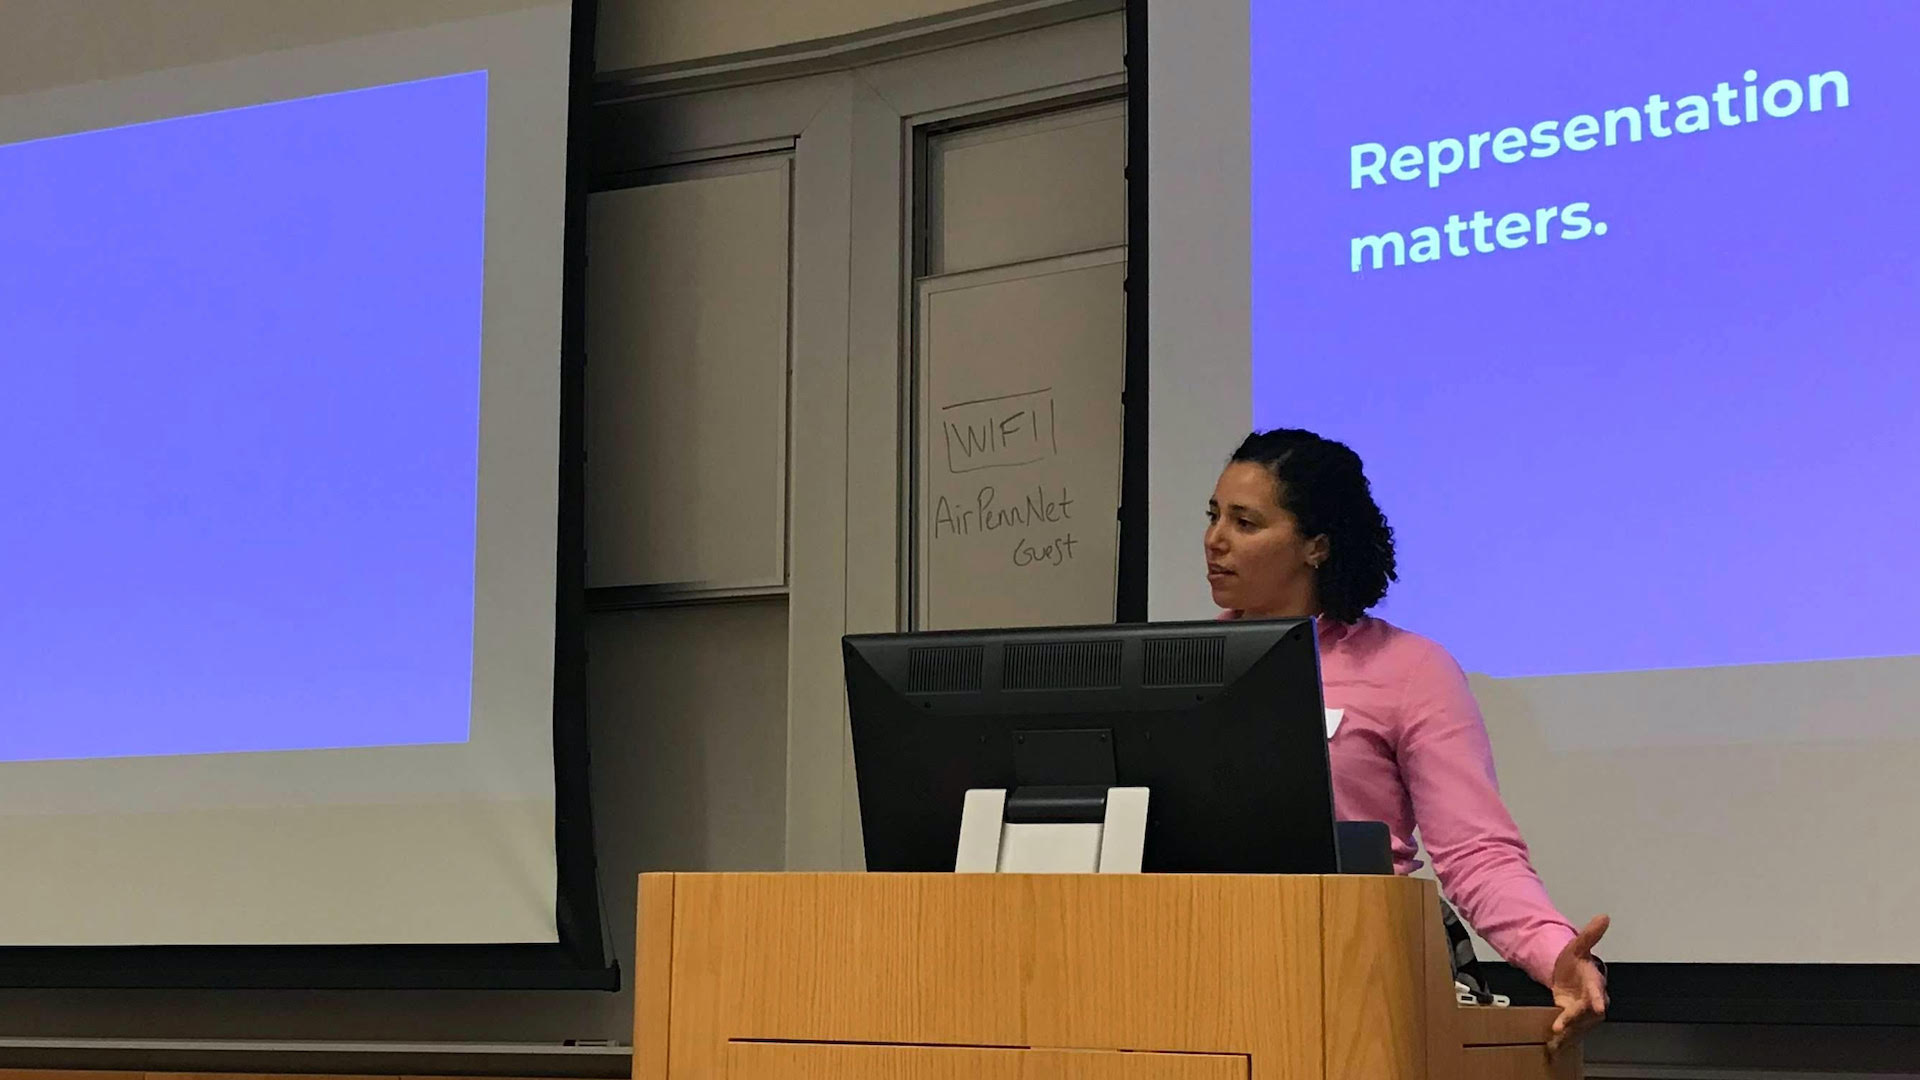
804,1061
1126,976
1518,1063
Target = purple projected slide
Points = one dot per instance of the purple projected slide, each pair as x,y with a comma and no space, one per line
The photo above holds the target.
1620,304
239,424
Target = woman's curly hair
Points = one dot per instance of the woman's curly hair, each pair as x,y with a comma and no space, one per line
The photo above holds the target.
1323,485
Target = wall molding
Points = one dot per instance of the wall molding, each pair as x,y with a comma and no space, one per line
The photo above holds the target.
846,52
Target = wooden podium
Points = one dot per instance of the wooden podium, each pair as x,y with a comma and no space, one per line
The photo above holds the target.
1081,976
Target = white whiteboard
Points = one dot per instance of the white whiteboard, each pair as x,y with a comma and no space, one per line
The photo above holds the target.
1019,414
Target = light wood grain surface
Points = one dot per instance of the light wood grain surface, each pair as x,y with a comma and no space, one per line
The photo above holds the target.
1520,1063
870,976
653,977
1374,979
814,1061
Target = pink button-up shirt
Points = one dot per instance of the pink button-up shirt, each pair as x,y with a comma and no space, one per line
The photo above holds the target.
1411,750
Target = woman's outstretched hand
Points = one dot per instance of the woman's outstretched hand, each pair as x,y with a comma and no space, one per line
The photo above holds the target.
1579,989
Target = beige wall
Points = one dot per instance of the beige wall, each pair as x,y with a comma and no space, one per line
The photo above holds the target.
47,43
653,33
71,43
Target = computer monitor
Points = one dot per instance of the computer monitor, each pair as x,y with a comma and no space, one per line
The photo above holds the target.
1222,722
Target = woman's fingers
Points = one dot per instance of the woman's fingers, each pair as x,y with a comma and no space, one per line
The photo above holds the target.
1575,1020
1562,1024
1586,939
1581,1010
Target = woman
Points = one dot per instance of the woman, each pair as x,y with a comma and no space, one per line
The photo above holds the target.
1293,531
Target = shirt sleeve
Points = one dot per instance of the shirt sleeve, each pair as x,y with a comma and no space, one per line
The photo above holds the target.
1483,865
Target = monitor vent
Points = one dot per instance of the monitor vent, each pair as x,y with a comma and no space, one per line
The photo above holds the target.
1061,665
935,669
1185,661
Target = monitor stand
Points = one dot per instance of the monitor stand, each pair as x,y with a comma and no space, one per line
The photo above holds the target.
1052,830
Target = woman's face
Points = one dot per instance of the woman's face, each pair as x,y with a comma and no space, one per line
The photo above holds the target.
1257,561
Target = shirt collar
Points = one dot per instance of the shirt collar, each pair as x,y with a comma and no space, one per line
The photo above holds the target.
1328,631
1331,632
